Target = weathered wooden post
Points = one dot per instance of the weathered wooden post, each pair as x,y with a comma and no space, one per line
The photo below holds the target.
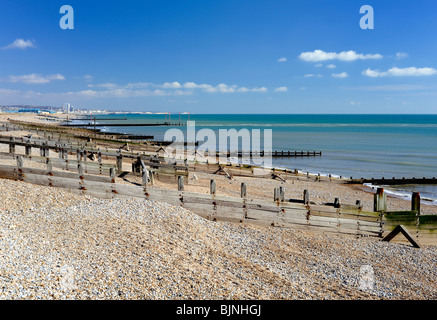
306,197
20,168
28,150
415,202
212,187
12,145
145,177
243,190
281,194
78,156
152,177
380,201
119,163
19,161
112,174
276,194
49,165
180,183
100,161
80,169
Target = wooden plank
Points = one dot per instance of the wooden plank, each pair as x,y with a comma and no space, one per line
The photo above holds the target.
405,232
63,174
169,196
262,205
290,221
428,220
427,237
267,217
360,212
230,214
203,210
325,209
8,172
317,213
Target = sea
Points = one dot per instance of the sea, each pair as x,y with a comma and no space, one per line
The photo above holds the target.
358,146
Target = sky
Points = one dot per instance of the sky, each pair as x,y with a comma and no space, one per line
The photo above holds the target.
227,56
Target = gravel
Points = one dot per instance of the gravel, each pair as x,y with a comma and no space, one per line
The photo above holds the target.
59,245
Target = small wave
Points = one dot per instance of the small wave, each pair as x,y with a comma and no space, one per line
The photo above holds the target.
402,194
314,125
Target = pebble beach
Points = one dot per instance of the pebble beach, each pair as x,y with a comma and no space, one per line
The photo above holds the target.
59,245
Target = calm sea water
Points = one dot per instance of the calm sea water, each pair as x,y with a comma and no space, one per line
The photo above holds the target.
361,146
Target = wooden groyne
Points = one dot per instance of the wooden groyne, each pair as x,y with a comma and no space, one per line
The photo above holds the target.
395,181
279,211
89,125
90,170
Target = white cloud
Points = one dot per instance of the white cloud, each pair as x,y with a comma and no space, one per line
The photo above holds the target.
172,85
400,72
281,89
35,78
331,66
109,86
399,87
311,75
20,44
320,55
283,59
113,90
318,65
340,75
221,88
401,55
243,89
225,88
190,85
139,85
262,89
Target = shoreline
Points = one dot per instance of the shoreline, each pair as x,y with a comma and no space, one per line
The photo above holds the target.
428,199
341,189
56,244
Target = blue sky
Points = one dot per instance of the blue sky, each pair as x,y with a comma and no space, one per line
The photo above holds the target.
302,56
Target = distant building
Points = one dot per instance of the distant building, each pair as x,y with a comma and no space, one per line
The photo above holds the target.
30,110
67,108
